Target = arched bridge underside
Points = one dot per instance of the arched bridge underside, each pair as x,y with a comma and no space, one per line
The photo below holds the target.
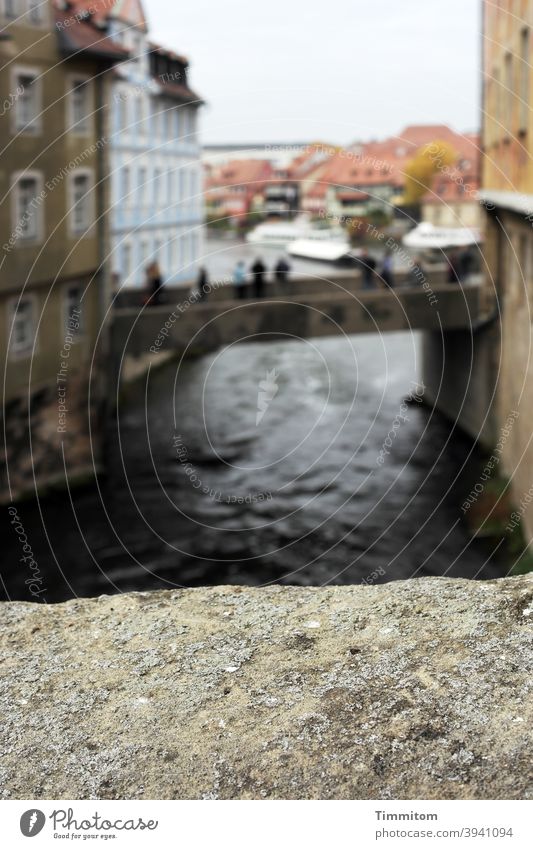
311,309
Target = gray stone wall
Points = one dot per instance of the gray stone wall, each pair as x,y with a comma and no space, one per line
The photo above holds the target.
415,689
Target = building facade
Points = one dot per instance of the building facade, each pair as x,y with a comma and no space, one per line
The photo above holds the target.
52,183
156,211
53,178
507,200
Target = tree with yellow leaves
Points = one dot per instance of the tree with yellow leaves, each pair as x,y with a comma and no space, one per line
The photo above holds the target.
421,169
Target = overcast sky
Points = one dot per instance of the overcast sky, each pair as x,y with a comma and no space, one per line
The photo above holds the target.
330,70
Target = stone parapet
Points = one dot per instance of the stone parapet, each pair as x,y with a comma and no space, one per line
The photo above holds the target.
415,689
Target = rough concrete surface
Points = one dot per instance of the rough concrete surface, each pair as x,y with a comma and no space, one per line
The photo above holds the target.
415,689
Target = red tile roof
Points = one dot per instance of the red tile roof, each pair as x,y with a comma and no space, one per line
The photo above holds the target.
81,36
240,172
380,163
163,51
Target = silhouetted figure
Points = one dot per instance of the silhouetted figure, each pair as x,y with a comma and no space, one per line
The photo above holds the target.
387,274
453,268
281,272
154,283
258,270
202,284
368,267
239,280
466,264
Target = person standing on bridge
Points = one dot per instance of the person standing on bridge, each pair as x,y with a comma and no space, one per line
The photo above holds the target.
282,271
453,268
154,283
368,267
387,274
202,285
239,280
258,270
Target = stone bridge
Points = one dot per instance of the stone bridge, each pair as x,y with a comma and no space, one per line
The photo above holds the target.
311,308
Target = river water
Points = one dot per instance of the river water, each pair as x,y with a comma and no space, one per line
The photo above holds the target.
293,462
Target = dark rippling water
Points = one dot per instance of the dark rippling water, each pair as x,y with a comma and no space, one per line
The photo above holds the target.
198,493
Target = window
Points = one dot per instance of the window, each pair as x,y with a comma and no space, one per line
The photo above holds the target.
80,202
126,262
72,311
156,121
36,11
157,185
123,111
10,8
28,207
137,115
508,94
28,102
142,185
524,79
125,185
22,325
136,47
496,110
79,101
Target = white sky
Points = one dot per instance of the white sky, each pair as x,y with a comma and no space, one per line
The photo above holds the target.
331,70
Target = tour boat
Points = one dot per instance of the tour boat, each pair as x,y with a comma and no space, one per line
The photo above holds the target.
426,236
282,233
324,250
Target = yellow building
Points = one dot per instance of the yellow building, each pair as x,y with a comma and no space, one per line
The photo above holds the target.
52,216
507,196
507,89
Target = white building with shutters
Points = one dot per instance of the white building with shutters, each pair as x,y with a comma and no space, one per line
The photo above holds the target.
154,155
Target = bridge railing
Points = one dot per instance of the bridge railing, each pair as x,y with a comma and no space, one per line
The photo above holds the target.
298,285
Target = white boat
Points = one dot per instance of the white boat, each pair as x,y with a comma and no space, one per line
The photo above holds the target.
282,233
330,250
426,236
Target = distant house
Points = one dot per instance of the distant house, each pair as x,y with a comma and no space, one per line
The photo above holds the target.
281,195
453,200
349,184
235,189
370,176
156,187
